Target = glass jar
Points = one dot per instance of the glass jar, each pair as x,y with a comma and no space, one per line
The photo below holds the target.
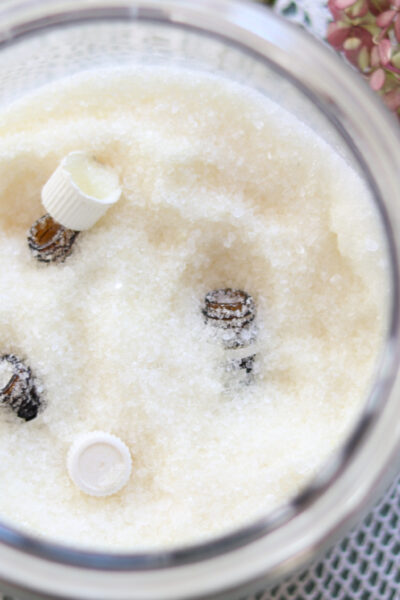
42,40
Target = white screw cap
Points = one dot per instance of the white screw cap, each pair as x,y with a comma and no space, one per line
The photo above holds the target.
80,191
99,463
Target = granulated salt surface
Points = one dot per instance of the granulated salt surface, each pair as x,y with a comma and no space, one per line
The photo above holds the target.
6,373
221,188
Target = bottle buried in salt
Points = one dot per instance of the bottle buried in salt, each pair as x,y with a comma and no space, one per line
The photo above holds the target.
76,196
233,312
49,241
17,388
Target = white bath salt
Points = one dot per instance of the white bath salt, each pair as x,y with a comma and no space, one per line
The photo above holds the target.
6,373
116,333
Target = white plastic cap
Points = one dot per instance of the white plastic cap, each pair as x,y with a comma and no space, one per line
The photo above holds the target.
80,191
99,463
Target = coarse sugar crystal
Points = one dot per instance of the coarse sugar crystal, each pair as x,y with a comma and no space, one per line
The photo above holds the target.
221,189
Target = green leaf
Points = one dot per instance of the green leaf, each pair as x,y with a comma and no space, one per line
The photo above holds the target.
363,59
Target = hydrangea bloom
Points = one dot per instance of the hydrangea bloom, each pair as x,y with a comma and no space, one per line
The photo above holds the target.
368,33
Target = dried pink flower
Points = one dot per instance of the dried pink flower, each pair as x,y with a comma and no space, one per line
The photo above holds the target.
367,32
377,79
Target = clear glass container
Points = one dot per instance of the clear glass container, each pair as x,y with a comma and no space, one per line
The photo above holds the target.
42,40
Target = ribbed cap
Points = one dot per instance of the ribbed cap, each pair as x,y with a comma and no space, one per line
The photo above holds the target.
80,191
99,463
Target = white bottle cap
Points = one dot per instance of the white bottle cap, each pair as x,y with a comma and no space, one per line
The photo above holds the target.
99,463
80,191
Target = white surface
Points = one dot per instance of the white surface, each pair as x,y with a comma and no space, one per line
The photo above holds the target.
312,13
99,463
80,191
